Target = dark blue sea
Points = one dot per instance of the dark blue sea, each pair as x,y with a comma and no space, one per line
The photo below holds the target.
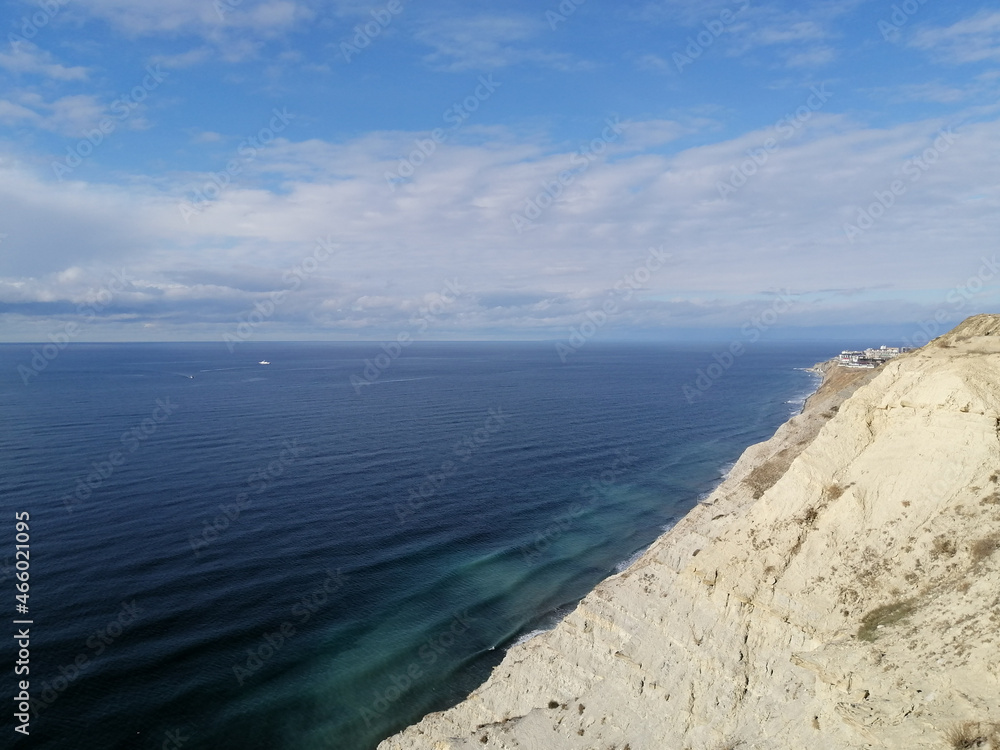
230,555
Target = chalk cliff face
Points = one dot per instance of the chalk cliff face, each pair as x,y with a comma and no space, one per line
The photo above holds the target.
841,589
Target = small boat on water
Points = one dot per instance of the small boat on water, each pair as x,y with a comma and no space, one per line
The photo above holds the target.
263,362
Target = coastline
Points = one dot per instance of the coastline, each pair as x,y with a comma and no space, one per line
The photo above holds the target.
497,703
838,393
801,604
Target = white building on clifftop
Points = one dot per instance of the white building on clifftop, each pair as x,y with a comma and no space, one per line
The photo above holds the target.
870,358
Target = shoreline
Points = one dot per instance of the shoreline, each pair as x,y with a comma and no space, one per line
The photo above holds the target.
821,369
800,605
758,468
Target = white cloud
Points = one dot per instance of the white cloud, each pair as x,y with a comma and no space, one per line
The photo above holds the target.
231,30
15,114
974,39
207,136
187,59
799,36
937,92
25,57
489,42
73,115
686,12
783,229
265,17
648,134
812,57
70,115
788,32
280,14
652,63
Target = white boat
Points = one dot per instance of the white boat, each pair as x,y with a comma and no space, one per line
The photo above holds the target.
263,362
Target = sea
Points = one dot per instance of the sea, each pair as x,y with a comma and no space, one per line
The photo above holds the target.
314,553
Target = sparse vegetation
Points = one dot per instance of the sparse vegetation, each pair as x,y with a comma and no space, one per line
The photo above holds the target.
553,704
887,614
983,548
973,734
764,477
833,491
943,547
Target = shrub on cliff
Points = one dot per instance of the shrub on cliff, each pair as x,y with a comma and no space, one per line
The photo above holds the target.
879,617
974,734
983,548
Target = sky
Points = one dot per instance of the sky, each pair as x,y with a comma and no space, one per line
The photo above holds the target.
235,170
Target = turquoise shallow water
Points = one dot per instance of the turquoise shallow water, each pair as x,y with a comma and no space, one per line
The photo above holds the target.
249,556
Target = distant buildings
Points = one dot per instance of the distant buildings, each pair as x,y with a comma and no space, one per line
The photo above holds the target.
870,358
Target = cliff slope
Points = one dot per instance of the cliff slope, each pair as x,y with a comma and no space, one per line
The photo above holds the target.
841,589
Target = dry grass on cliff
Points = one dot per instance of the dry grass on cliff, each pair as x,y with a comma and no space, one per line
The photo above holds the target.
983,548
833,492
880,617
729,744
943,547
974,734
767,474
837,378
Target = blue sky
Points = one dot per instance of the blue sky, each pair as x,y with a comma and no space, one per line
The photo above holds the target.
274,169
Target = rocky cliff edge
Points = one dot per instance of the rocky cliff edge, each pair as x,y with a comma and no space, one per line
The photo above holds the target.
841,589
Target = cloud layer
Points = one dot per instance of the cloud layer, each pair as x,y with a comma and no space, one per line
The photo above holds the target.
859,217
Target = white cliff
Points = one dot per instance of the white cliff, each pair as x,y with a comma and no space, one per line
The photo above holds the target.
841,589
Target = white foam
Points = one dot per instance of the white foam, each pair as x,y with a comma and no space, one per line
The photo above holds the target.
546,623
626,564
528,636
